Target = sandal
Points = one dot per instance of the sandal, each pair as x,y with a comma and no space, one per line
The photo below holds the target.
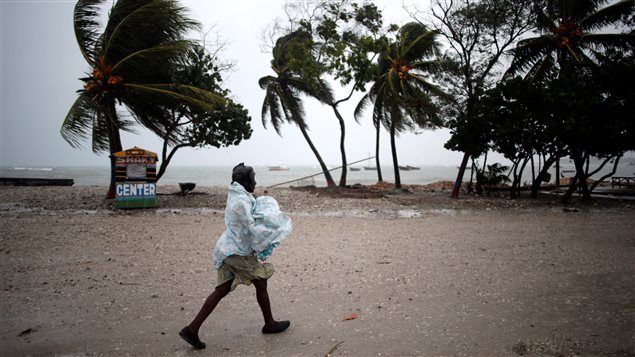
189,337
277,328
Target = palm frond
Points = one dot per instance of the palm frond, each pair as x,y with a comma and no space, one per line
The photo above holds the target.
529,52
272,103
542,68
137,66
154,23
78,121
100,133
264,82
608,15
87,28
603,41
172,95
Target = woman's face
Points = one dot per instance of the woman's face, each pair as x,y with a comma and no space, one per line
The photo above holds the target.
251,185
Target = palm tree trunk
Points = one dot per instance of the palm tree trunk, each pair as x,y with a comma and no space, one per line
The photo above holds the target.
342,149
114,141
325,170
459,176
393,147
379,177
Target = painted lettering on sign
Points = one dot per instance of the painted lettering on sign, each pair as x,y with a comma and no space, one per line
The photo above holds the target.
135,189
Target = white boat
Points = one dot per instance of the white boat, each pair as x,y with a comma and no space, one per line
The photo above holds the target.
279,168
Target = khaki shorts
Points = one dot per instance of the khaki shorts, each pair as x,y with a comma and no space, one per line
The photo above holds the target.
242,270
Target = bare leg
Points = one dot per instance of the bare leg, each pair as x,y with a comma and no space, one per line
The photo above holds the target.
271,325
190,332
263,300
210,304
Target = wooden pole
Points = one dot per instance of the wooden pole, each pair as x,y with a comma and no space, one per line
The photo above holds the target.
319,173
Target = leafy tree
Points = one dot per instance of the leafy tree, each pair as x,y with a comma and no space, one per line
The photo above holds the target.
523,124
402,96
226,125
283,93
477,34
345,39
130,60
573,34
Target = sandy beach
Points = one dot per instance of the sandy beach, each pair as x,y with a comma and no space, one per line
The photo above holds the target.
425,275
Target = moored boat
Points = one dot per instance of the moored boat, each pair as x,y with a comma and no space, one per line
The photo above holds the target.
279,168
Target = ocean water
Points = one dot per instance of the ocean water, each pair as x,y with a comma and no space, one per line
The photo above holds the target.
221,175
295,176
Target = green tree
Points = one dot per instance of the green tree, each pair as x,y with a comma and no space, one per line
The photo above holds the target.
130,60
283,93
523,124
402,96
226,125
573,34
345,39
477,35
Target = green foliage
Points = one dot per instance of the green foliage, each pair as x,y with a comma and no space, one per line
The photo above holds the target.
572,33
478,33
226,125
402,96
493,177
130,61
345,38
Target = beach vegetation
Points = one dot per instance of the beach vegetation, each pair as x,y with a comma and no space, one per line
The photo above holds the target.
571,46
476,36
188,126
402,95
345,39
284,93
494,176
128,82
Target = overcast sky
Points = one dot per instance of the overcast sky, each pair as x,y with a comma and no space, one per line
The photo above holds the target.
41,64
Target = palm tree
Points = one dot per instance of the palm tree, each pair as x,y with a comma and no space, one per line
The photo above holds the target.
571,34
283,102
402,95
130,60
568,35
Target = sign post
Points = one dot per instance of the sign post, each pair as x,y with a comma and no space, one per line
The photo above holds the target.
135,178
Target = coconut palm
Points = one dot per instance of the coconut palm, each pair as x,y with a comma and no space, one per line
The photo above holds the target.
283,102
571,34
570,31
402,97
283,91
129,65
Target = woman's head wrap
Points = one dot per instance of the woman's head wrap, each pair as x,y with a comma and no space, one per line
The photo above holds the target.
245,176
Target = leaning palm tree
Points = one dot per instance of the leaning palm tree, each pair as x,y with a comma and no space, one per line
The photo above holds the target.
130,60
570,31
403,97
283,102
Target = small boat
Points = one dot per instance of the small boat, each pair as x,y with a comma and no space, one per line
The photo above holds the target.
404,168
279,168
354,168
370,168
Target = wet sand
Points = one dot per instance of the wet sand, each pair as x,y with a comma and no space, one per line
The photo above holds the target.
426,276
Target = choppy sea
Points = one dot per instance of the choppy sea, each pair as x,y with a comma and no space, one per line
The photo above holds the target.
295,176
